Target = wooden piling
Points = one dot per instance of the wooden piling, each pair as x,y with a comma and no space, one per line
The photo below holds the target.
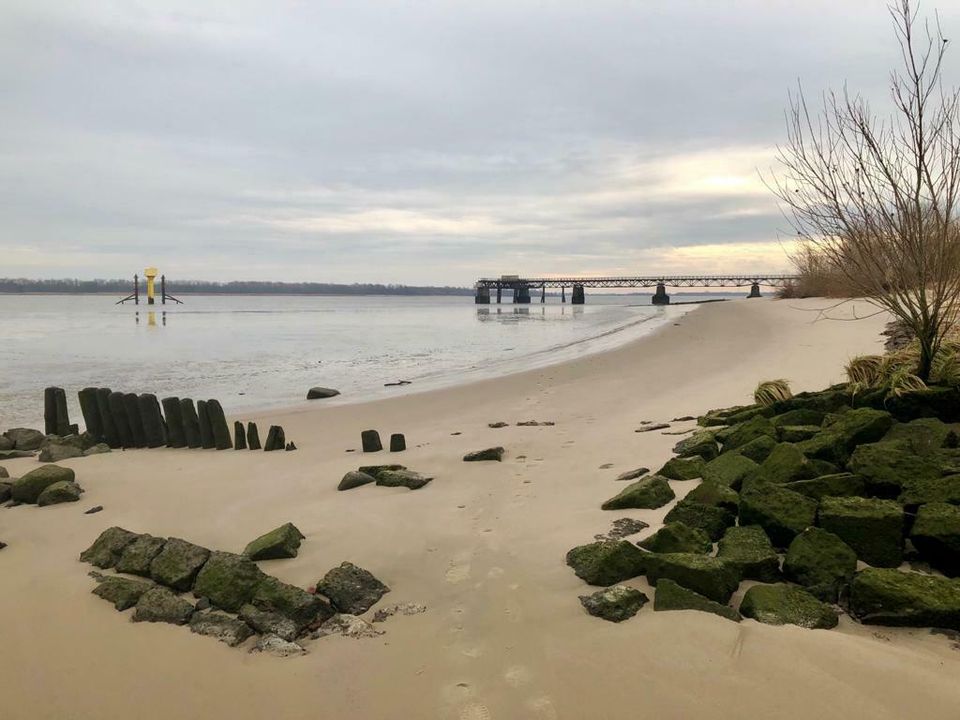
110,435
218,425
153,428
132,403
398,443
91,415
276,440
50,411
176,438
370,440
118,410
206,430
191,423
63,413
239,437
253,436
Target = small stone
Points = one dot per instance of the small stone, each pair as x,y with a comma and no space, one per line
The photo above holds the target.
281,542
55,452
162,605
95,509
98,449
614,604
630,474
321,393
60,492
624,527
649,493
278,646
348,626
3,472
494,453
291,446
370,440
497,425
398,609
269,622
607,562
354,479
223,627
651,428
351,589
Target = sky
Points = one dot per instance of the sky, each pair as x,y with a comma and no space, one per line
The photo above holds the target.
418,142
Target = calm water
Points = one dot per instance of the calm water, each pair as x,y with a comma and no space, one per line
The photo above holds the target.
257,352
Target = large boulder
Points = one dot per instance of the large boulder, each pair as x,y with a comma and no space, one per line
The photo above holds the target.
931,490
733,415
785,464
739,435
607,562
890,465
55,452
228,581
821,562
223,627
748,549
281,542
830,400
26,439
159,604
177,565
924,435
352,589
713,521
711,577
122,592
616,604
675,537
321,393
729,469
651,492
701,444
402,478
799,416
872,528
796,433
303,609
758,449
494,453
354,479
833,485
933,402
28,488
880,596
5,443
936,536
138,555
60,492
783,604
107,549
269,623
848,430
715,495
782,513
683,468
671,596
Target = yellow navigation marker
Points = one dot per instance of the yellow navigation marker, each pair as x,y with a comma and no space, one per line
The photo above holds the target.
150,274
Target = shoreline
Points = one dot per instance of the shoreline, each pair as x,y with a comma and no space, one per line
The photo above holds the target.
482,546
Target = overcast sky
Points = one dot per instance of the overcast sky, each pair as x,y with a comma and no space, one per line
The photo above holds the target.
410,142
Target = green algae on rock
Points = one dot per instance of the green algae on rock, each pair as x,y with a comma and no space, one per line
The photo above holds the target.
936,536
821,562
711,520
616,604
711,577
872,528
783,604
607,562
671,596
885,596
229,581
782,513
279,543
750,551
651,492
676,537
729,470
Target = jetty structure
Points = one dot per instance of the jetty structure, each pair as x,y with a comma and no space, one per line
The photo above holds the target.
150,274
521,287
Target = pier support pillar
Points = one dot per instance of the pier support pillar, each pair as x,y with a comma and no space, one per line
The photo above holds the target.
483,296
521,295
543,293
754,291
578,297
563,294
499,293
660,297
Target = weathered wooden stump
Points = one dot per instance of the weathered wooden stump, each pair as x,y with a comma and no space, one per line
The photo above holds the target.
398,443
191,423
110,435
253,436
218,425
118,410
132,403
206,429
291,446
91,415
174,416
56,417
239,437
275,439
153,428
63,413
370,440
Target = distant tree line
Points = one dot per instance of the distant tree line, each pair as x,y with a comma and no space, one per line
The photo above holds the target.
206,287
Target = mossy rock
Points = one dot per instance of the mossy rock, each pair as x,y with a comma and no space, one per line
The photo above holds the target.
375,470
225,628
269,623
785,464
759,449
931,490
700,444
709,576
27,489
678,468
158,604
615,604
676,537
739,435
796,433
821,562
783,604
713,521
882,596
352,589
715,495
782,513
729,469
671,596
872,528
732,415
936,536
289,601
830,400
800,416
748,549
889,466
402,478
651,492
279,543
833,485
138,555
923,436
60,492
942,403
607,562
177,565
229,581
835,442
108,547
354,479
123,592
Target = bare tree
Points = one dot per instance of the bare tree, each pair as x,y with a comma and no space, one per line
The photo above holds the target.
876,198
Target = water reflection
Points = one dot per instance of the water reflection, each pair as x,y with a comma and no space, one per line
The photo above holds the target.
525,312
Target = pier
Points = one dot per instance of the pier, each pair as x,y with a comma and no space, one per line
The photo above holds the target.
488,289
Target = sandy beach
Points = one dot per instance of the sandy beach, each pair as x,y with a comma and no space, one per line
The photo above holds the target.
482,546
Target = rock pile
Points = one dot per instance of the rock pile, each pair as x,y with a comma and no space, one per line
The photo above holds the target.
385,475
46,485
796,495
233,599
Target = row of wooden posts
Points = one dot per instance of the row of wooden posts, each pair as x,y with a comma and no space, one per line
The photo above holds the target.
129,420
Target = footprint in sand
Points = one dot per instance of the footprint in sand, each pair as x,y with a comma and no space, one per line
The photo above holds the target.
457,572
474,711
517,676
543,707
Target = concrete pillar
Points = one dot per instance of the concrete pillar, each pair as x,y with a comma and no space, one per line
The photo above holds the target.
543,293
499,293
482,296
660,297
754,291
578,296
563,294
521,295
